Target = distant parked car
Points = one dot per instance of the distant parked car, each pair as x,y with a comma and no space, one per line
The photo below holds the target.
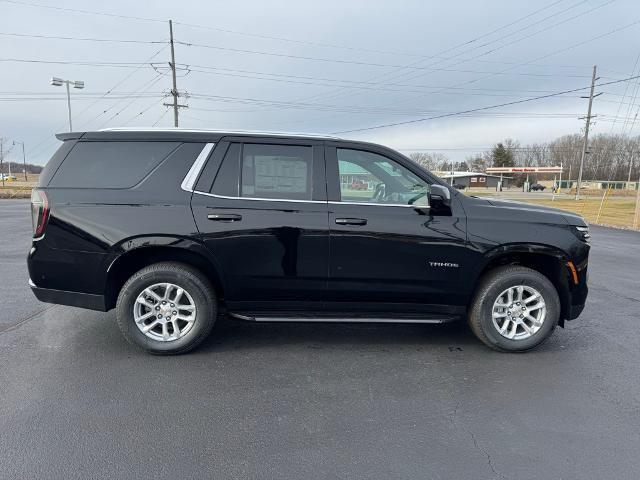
10,178
459,186
536,186
358,185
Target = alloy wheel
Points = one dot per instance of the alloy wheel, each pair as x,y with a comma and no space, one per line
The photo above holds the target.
164,312
519,312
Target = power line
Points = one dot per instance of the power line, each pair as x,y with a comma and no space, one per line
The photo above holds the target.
365,82
77,10
50,140
344,108
539,58
466,43
556,52
60,99
351,62
67,62
148,85
507,70
292,40
626,87
285,39
371,86
512,42
479,109
275,37
166,110
80,39
138,64
60,94
141,113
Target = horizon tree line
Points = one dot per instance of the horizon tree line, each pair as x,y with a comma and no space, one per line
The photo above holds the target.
609,157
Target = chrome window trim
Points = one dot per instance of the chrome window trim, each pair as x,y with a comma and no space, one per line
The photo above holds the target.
259,199
376,204
190,178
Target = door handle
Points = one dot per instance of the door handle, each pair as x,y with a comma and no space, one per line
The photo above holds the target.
351,221
224,217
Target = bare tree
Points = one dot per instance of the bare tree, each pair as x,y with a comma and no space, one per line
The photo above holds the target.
478,163
429,161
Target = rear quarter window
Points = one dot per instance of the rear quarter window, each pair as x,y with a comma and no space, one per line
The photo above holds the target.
54,163
110,164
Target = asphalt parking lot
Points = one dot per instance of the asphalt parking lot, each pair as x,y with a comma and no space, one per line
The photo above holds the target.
319,401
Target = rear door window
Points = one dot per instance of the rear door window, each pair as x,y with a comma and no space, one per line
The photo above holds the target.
276,171
266,171
110,164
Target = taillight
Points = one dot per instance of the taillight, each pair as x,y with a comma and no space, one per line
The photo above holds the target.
39,212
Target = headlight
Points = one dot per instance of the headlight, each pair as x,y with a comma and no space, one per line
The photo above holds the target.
583,233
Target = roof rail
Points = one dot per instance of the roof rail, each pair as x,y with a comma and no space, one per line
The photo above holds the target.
210,130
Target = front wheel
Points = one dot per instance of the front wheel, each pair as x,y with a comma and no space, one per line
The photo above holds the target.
515,309
166,308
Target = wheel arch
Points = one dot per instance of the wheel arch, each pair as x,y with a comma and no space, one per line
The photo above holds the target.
134,259
548,260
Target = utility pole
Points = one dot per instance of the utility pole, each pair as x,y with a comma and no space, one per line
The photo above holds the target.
1,161
586,132
559,187
24,159
174,90
637,212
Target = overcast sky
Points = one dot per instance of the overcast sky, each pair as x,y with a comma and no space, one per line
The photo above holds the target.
365,63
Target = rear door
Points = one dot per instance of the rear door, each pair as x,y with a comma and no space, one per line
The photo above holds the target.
386,248
261,208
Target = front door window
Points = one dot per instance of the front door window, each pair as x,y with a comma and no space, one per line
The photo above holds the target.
367,177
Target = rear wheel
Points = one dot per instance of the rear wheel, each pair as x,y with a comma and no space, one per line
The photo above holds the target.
515,309
166,308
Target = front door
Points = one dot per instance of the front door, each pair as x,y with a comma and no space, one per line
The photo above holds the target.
386,247
262,213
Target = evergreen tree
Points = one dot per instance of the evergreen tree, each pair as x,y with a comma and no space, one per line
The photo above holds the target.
502,157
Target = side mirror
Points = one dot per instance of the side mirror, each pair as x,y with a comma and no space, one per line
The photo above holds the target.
440,194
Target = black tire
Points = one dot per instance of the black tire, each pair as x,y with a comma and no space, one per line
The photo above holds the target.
491,286
184,276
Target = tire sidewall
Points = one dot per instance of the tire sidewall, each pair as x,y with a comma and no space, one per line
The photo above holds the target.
542,285
205,309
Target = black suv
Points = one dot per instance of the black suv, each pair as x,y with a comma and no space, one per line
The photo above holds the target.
172,228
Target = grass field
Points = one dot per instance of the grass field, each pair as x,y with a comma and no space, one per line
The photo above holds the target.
615,211
19,188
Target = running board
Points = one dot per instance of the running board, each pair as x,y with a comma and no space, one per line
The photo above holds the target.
346,318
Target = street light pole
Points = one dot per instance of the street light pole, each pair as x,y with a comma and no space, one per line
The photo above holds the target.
58,82
69,107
